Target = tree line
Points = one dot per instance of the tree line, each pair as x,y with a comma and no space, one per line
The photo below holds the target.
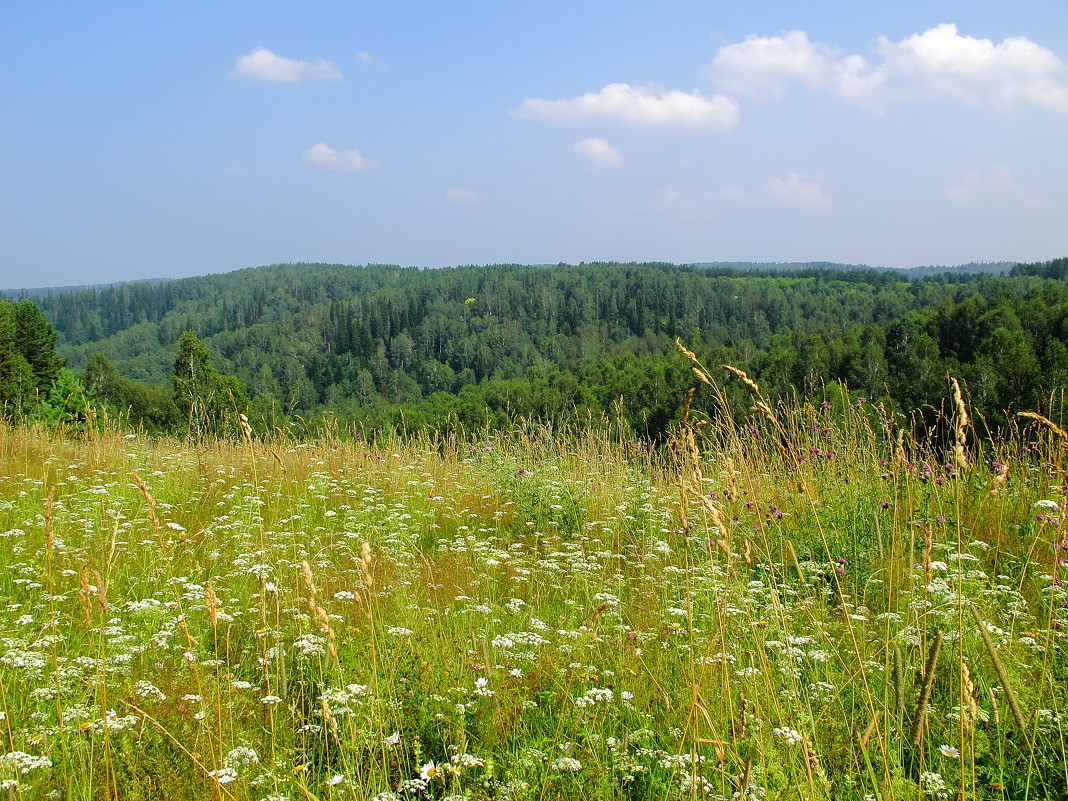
387,346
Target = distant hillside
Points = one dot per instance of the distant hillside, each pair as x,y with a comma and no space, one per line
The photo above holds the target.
385,344
993,268
44,291
976,268
972,268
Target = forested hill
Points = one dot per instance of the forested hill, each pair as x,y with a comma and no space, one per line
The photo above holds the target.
972,268
379,342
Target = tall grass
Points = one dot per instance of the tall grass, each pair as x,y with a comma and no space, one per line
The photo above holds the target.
815,604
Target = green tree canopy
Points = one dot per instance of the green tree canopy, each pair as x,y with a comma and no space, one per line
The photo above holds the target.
210,399
28,361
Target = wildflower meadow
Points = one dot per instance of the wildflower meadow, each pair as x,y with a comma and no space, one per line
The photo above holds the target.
826,600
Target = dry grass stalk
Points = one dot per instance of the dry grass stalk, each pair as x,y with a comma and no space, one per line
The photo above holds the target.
969,691
743,781
85,594
960,458
698,368
143,488
278,459
308,578
318,612
958,401
702,376
743,376
1056,429
595,615
246,429
900,456
365,565
1000,479
686,407
211,603
813,763
328,716
868,732
719,522
101,591
761,406
50,539
689,354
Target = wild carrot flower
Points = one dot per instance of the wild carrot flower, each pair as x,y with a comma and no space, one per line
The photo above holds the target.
788,735
566,765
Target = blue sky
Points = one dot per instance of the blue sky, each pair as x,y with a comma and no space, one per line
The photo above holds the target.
163,139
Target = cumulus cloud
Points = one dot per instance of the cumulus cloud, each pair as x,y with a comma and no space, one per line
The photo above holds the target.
322,155
260,64
639,107
461,196
796,190
764,64
597,149
939,62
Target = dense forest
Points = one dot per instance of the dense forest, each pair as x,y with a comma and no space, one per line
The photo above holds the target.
297,344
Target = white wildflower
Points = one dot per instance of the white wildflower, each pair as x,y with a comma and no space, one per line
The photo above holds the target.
566,764
788,735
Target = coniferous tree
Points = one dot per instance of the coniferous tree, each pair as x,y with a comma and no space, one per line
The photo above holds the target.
35,339
28,361
17,381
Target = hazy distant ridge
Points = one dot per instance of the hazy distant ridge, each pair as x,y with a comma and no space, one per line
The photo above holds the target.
993,268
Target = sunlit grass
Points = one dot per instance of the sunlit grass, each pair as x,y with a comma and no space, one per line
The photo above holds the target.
812,605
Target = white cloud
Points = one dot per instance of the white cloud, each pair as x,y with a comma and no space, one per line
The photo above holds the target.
763,64
260,64
461,196
797,191
975,71
996,185
364,57
639,107
939,62
322,155
597,149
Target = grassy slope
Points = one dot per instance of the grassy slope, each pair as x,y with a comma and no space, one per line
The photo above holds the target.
757,613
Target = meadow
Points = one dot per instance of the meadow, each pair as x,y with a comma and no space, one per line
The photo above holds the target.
823,602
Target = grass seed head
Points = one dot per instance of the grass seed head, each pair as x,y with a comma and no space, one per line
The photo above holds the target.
1045,421
960,458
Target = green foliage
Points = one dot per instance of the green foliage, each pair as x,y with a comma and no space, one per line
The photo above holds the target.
17,381
1056,269
150,407
537,613
69,405
28,361
35,339
211,399
384,347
